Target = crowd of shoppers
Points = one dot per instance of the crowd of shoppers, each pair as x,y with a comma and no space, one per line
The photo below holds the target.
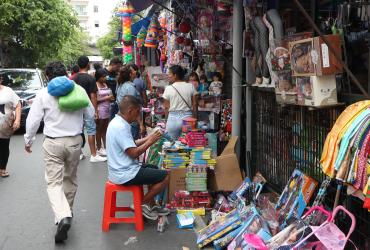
113,122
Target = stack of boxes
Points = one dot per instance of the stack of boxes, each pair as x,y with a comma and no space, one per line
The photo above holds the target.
196,162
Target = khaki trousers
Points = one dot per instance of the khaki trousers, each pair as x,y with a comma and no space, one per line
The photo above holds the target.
61,156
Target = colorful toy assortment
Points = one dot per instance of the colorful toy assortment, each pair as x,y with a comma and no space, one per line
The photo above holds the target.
125,12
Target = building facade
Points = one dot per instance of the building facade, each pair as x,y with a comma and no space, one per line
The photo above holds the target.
94,16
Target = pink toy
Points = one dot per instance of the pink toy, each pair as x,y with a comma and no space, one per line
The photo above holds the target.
328,234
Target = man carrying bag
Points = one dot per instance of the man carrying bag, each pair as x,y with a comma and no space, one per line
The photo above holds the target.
62,144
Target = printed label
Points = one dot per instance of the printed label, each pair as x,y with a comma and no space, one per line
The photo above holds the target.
325,55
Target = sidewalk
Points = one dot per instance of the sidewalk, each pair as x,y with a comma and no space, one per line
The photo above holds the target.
26,219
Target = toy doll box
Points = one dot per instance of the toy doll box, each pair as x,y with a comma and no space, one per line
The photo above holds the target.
316,91
295,197
310,57
222,226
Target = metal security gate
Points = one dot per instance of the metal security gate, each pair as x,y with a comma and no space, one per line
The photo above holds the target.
289,137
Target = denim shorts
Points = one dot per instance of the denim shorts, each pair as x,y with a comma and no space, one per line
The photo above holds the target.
174,122
90,126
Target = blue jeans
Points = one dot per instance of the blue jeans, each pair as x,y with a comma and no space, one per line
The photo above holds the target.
174,122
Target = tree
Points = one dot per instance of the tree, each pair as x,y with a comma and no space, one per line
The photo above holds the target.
106,43
33,32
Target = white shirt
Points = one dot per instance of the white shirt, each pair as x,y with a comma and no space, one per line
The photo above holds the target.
121,167
186,90
57,123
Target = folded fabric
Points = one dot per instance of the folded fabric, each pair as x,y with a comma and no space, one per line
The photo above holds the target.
60,86
77,99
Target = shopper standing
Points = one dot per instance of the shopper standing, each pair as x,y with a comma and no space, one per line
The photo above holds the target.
61,148
126,87
9,122
104,97
180,101
140,86
112,72
88,82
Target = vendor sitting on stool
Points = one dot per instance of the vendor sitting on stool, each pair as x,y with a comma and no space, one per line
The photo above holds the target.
123,152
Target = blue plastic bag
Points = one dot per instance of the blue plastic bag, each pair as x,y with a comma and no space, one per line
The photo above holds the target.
60,86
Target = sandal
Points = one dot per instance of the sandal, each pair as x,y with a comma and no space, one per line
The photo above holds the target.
4,174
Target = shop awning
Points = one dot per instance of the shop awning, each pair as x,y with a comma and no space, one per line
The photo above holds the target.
135,28
140,5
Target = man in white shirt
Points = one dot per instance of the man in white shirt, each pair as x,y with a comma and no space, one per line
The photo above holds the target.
61,148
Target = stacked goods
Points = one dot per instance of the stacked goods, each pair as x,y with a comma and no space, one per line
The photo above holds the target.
196,139
202,156
196,178
176,160
185,199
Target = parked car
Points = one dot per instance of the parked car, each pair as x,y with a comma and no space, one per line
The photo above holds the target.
26,83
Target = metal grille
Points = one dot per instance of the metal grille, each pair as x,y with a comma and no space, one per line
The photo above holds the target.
289,137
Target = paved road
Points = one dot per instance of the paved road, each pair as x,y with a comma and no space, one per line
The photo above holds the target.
26,219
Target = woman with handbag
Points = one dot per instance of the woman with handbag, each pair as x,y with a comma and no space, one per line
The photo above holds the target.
180,101
9,102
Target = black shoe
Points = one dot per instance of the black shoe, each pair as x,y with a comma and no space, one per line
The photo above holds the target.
62,230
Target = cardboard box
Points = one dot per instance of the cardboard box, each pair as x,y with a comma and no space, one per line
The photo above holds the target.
312,57
317,91
227,175
285,89
177,181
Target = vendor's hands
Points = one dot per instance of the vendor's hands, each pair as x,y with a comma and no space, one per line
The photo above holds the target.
28,148
152,138
16,125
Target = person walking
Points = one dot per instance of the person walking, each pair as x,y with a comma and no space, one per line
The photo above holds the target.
126,87
61,147
104,97
88,82
123,152
180,101
10,117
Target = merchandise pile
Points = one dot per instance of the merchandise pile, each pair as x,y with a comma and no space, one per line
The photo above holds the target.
247,219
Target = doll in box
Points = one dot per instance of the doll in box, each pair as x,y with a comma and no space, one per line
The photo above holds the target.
205,19
216,85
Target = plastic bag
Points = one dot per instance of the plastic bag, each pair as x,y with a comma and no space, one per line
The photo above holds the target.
6,124
60,86
77,99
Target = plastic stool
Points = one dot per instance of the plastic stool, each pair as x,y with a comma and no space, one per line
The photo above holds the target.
110,206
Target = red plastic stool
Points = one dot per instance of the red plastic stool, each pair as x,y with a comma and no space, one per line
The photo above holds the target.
110,206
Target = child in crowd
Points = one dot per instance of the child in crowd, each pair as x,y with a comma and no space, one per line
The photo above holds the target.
216,85
203,85
104,97
194,79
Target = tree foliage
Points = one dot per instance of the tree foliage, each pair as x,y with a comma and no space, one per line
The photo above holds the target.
33,32
106,43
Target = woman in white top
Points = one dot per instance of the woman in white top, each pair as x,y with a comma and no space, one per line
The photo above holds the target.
179,101
9,102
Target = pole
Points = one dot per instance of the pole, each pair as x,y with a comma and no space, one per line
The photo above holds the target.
237,64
